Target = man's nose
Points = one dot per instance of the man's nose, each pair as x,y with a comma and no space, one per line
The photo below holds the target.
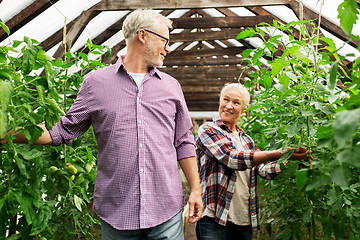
167,48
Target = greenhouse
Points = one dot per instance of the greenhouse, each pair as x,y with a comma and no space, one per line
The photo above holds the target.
299,61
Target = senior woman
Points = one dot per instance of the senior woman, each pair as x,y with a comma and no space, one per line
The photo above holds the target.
229,162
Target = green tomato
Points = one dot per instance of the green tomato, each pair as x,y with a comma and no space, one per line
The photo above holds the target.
53,169
72,168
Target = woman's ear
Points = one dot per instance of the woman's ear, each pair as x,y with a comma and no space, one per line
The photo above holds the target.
244,109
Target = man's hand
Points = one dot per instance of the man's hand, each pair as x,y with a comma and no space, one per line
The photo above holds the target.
195,207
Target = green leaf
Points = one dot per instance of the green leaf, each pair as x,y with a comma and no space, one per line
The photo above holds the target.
324,132
331,47
14,237
296,51
246,53
287,113
332,76
41,221
344,125
307,215
54,106
29,56
253,108
277,65
78,202
340,176
310,113
41,92
43,57
20,164
245,34
29,154
3,123
301,177
284,80
267,80
279,87
50,73
3,26
348,11
6,90
290,166
332,197
28,208
2,202
317,182
293,128
257,55
6,74
350,156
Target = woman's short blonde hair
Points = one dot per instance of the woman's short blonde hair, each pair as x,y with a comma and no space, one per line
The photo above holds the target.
142,19
244,92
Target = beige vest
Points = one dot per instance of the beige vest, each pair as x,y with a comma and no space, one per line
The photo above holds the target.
239,206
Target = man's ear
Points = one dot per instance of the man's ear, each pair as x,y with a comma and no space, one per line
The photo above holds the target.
141,36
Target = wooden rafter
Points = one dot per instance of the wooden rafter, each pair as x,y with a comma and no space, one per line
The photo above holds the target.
25,16
213,58
183,4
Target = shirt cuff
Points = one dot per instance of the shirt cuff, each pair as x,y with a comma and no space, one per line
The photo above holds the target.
55,135
185,151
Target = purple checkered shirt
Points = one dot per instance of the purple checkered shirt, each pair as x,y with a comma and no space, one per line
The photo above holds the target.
141,134
218,160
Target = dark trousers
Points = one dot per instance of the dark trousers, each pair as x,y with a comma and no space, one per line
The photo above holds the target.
208,229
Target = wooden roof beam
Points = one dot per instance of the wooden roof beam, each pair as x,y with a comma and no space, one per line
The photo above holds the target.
25,16
205,36
325,24
204,52
184,4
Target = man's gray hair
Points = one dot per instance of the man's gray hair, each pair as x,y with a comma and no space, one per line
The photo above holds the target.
142,19
244,92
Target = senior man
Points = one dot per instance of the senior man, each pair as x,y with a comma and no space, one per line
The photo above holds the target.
143,130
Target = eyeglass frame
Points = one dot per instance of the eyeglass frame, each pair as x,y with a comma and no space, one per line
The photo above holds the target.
167,39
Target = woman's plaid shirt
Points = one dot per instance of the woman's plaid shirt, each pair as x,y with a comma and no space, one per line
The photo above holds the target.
218,160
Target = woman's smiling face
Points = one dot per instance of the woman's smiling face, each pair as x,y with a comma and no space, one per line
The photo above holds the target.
231,107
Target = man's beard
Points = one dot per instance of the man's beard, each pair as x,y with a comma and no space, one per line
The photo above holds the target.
152,59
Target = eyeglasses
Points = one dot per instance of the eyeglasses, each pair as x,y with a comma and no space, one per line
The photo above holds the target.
167,40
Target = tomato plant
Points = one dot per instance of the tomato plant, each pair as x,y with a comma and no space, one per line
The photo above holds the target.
44,191
297,102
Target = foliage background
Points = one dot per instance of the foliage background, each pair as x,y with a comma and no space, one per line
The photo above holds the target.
298,104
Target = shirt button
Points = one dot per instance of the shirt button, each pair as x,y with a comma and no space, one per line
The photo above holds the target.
139,121
141,170
140,145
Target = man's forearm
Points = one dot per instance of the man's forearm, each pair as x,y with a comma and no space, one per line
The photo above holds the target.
44,139
190,169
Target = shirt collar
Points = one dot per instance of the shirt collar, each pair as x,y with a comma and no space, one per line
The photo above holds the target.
220,124
120,66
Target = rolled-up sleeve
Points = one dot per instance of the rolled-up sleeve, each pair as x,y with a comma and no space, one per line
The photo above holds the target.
267,170
76,121
184,138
